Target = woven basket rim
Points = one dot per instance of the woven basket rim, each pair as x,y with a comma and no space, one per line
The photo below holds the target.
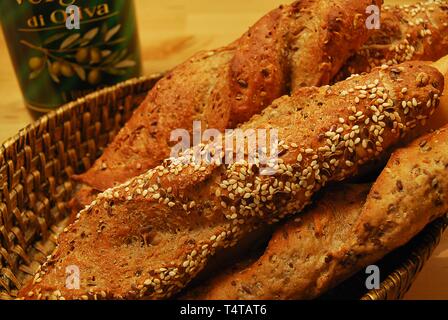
390,287
393,286
73,104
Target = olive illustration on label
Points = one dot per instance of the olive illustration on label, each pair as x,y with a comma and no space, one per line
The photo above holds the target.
56,68
94,77
87,56
95,56
55,63
67,70
82,55
36,63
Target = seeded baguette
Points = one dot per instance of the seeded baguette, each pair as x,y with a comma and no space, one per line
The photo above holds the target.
156,232
346,231
297,261
297,45
408,32
284,257
412,191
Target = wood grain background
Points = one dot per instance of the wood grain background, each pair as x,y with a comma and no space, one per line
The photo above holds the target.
170,32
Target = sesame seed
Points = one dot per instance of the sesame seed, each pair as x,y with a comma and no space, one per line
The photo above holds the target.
434,183
364,144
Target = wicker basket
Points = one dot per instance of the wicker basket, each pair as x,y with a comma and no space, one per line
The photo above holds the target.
36,164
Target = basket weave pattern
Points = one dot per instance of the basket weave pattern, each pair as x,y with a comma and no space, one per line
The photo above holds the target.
35,186
35,170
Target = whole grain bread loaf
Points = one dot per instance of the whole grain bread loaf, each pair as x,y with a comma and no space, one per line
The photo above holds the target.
297,261
297,45
346,230
408,32
149,237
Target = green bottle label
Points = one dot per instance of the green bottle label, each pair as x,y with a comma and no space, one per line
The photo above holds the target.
55,65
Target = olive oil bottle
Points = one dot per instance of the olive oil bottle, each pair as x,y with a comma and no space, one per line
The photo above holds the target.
56,64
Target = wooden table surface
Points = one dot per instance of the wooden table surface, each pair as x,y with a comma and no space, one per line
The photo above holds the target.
170,32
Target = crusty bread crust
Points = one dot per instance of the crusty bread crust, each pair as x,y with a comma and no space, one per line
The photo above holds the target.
408,32
257,55
152,235
302,44
345,232
412,190
296,262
